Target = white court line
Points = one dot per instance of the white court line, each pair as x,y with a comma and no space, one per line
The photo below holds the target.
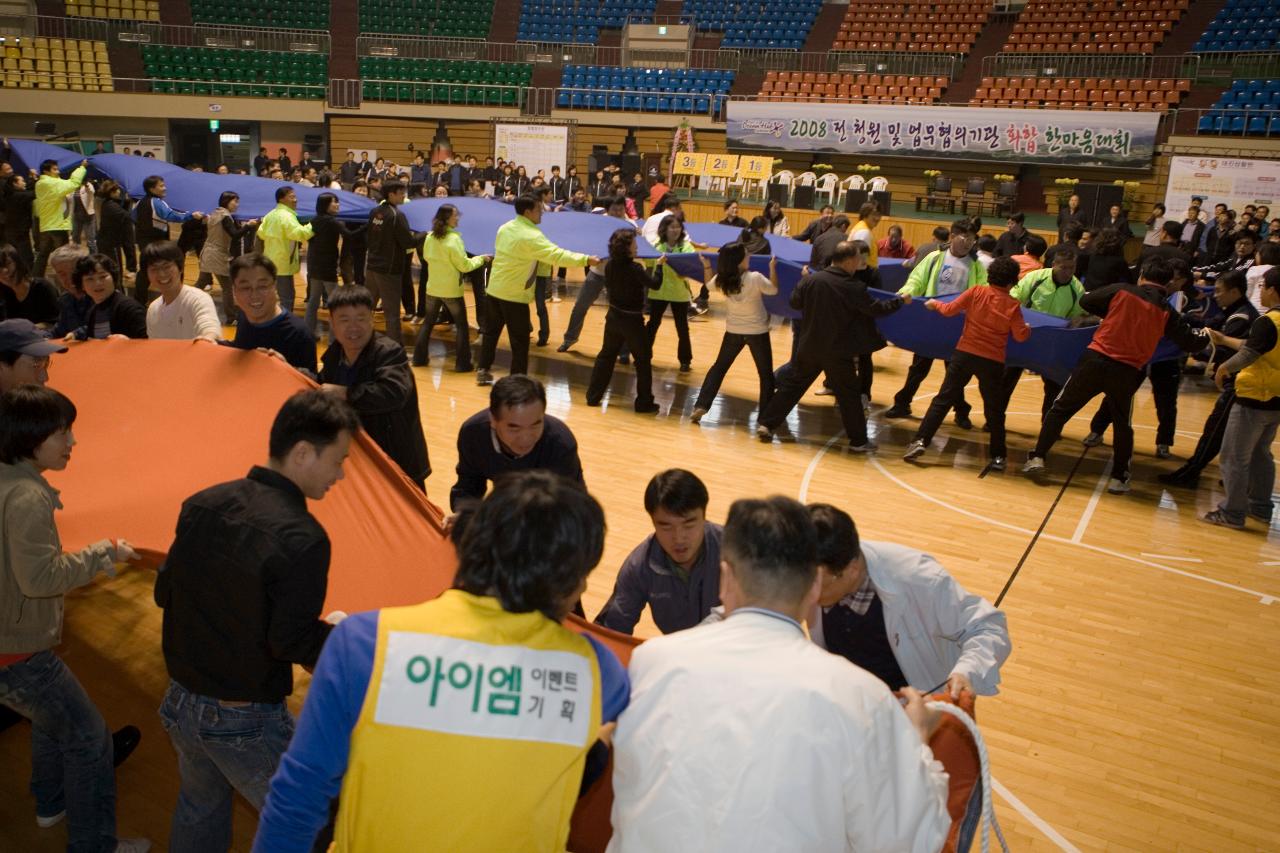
1037,821
1171,557
1272,563
1087,516
1263,597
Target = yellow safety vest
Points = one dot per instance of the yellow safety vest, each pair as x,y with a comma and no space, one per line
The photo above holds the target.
473,733
1261,380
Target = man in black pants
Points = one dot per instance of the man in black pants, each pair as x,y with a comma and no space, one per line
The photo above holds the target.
389,240
830,305
1229,292
1134,318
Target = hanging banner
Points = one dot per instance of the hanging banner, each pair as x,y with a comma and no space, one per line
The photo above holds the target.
534,146
1113,139
1218,180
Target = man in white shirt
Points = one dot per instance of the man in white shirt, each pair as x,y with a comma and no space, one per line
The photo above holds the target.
743,735
896,613
181,313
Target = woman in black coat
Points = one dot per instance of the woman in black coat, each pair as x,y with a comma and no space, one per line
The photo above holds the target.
113,312
115,228
1107,264
18,199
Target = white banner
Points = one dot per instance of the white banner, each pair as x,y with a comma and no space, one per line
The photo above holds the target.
1218,180
534,146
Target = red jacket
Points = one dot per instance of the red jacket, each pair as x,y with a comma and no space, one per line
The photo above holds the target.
991,315
1134,319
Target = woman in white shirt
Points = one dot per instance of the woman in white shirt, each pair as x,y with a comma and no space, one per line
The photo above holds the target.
775,220
746,324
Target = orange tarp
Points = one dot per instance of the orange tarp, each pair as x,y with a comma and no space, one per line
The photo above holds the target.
160,420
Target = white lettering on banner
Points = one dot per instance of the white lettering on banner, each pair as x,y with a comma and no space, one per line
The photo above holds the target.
460,687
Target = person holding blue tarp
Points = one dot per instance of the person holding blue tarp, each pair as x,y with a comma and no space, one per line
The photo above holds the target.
943,272
282,235
152,215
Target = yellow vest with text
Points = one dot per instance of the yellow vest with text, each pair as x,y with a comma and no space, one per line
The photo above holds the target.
871,244
1261,380
473,733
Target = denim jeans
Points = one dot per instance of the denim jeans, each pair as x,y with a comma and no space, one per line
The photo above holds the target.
316,287
220,748
587,296
84,230
541,285
71,758
285,290
1248,468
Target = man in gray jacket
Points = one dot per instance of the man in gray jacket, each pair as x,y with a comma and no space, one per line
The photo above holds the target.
896,613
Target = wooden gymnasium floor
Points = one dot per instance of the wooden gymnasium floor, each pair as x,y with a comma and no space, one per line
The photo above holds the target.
1137,708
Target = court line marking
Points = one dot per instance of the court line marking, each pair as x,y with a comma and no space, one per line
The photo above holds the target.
1035,819
1263,597
1172,557
1087,515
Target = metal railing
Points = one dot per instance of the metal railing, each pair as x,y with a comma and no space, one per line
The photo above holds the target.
1090,65
442,93
219,88
739,59
111,30
1221,67
630,100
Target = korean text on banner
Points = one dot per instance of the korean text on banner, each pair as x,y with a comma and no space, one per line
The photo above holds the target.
690,163
755,168
722,165
1220,180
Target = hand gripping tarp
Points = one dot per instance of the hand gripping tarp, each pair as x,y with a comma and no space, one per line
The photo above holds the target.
136,463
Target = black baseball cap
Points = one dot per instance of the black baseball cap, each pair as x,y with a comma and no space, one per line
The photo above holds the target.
23,336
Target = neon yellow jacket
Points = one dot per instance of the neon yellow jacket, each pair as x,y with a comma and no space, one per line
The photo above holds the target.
923,280
49,207
674,288
447,261
280,233
517,249
1038,291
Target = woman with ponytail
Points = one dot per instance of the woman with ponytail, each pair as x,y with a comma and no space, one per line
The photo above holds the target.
447,263
746,324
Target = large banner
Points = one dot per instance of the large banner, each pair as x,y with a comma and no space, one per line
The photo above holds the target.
534,146
1218,180
1118,139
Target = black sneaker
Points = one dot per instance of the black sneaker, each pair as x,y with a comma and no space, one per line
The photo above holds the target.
685,367
647,408
962,421
896,411
566,346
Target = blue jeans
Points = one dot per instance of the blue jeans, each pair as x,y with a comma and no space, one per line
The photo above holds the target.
1248,469
71,758
221,748
587,296
285,290
315,288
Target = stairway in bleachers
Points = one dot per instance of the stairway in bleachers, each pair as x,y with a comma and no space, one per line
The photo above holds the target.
989,42
178,14
506,21
668,9
825,27
343,61
1182,38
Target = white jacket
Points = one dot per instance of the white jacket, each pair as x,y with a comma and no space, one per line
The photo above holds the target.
743,735
935,627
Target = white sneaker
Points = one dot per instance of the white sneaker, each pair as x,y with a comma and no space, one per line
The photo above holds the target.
1033,465
824,391
1117,486
1093,439
51,820
764,433
132,845
914,450
997,463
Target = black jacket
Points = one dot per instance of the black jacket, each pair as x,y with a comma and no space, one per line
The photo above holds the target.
389,238
1065,217
323,250
1218,247
126,315
1192,246
479,462
813,230
1107,269
243,588
383,391
839,315
115,233
824,246
1010,244
627,283
18,215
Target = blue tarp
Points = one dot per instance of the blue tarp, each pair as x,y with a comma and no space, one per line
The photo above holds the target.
1053,348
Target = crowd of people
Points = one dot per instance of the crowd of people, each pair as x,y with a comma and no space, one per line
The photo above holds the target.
244,583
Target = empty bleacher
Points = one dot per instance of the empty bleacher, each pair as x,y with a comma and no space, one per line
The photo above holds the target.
849,88
1249,107
219,71
756,24
1078,93
680,90
578,21
1243,25
442,81
1093,26
438,18
286,14
129,10
55,63
938,27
